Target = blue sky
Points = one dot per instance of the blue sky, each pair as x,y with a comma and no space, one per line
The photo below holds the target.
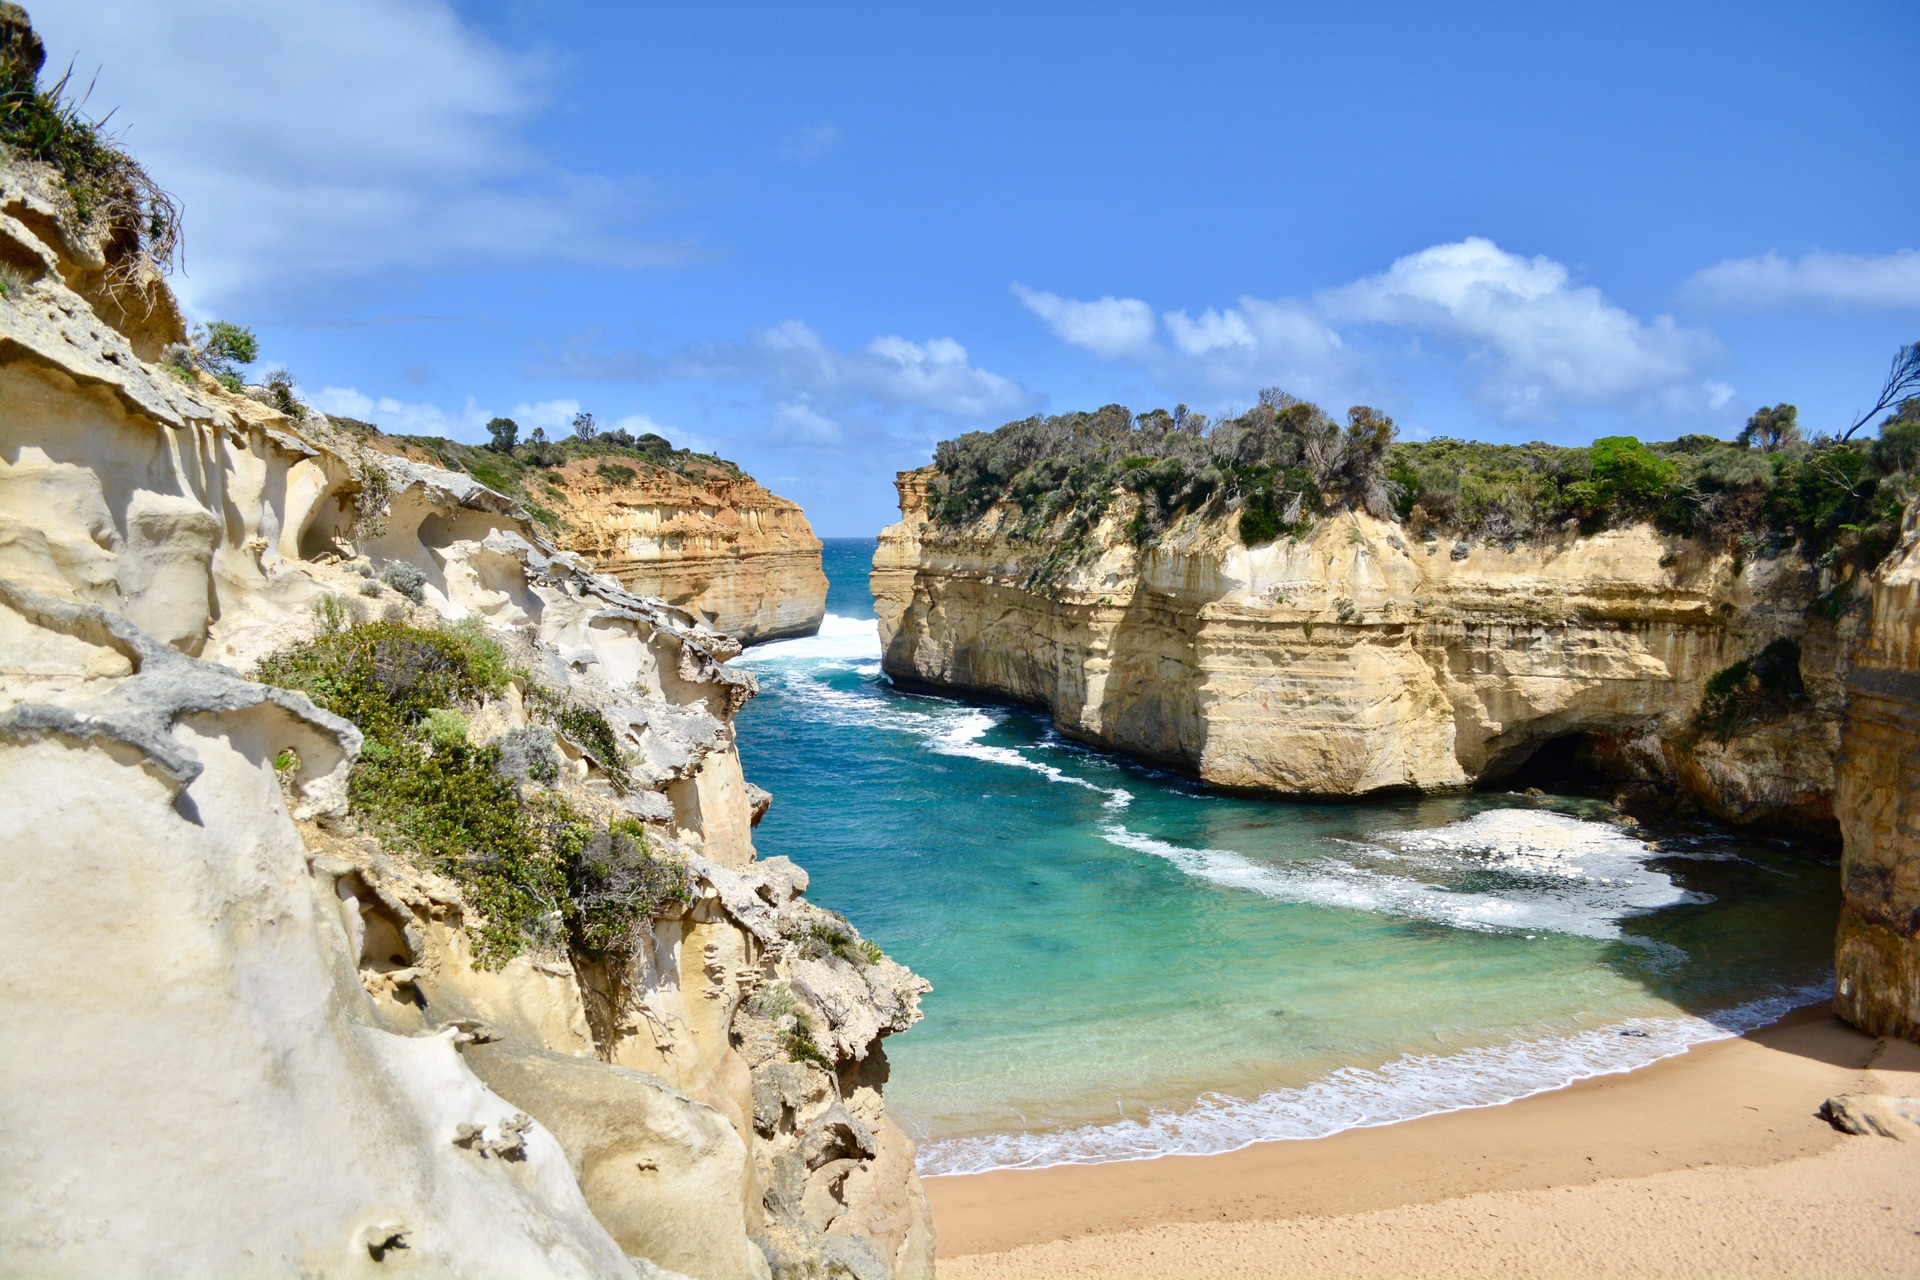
816,239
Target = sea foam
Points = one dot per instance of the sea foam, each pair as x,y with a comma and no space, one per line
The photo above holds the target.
1407,1088
1541,872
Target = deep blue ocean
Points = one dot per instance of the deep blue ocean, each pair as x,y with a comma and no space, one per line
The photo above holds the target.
1126,964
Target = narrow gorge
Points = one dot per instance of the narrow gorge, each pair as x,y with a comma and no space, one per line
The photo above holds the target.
1350,656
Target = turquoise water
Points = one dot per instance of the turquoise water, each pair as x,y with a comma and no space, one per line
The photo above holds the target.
1127,965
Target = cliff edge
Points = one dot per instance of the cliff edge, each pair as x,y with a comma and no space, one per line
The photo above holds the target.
380,877
1244,603
687,527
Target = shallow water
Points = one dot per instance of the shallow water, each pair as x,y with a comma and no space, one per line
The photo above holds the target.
1127,965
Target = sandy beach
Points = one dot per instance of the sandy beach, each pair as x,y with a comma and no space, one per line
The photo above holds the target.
1712,1163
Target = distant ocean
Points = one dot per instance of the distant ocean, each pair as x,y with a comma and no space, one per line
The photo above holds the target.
1126,965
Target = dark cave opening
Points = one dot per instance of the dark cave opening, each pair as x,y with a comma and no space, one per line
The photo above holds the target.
1570,764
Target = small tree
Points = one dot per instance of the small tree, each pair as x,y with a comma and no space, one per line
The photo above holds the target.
280,392
223,347
1772,429
505,433
584,427
1903,379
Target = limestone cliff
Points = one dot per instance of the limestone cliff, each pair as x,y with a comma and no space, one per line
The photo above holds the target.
721,546
1878,952
246,1029
1358,660
689,528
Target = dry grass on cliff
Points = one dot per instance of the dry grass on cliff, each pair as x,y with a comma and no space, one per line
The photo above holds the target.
107,196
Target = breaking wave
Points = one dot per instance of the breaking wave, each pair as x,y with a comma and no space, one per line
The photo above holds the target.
1537,871
1407,1088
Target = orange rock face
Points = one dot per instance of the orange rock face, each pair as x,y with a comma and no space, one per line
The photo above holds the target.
721,545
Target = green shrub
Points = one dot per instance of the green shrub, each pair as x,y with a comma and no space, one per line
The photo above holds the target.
616,475
405,578
282,396
1753,690
445,727
534,868
1285,464
798,1044
583,725
527,754
616,883
817,941
221,348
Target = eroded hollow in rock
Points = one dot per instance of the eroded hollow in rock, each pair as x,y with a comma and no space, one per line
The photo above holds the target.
1573,763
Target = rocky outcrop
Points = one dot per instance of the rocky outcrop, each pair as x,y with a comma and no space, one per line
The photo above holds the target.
721,547
1357,660
1877,955
249,1036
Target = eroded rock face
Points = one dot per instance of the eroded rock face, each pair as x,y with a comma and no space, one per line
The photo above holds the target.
1357,660
1877,954
726,549
253,1035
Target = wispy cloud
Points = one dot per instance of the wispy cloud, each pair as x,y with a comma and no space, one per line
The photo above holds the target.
814,384
1821,279
811,142
1111,327
315,141
1536,344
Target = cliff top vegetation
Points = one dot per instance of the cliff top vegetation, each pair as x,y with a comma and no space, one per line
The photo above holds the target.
1285,463
526,470
104,193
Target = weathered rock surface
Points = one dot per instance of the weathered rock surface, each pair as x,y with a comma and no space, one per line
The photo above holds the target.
724,548
1356,661
244,1037
1882,1115
1877,955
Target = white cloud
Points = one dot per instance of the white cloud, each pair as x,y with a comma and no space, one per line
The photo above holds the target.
1824,279
1213,331
1544,345
1540,345
817,394
347,138
890,371
399,417
811,142
1233,350
1111,327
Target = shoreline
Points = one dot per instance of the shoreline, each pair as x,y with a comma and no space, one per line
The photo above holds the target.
1745,1104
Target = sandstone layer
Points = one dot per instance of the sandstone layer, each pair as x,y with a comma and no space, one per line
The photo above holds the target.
722,546
246,1035
1357,660
1878,952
